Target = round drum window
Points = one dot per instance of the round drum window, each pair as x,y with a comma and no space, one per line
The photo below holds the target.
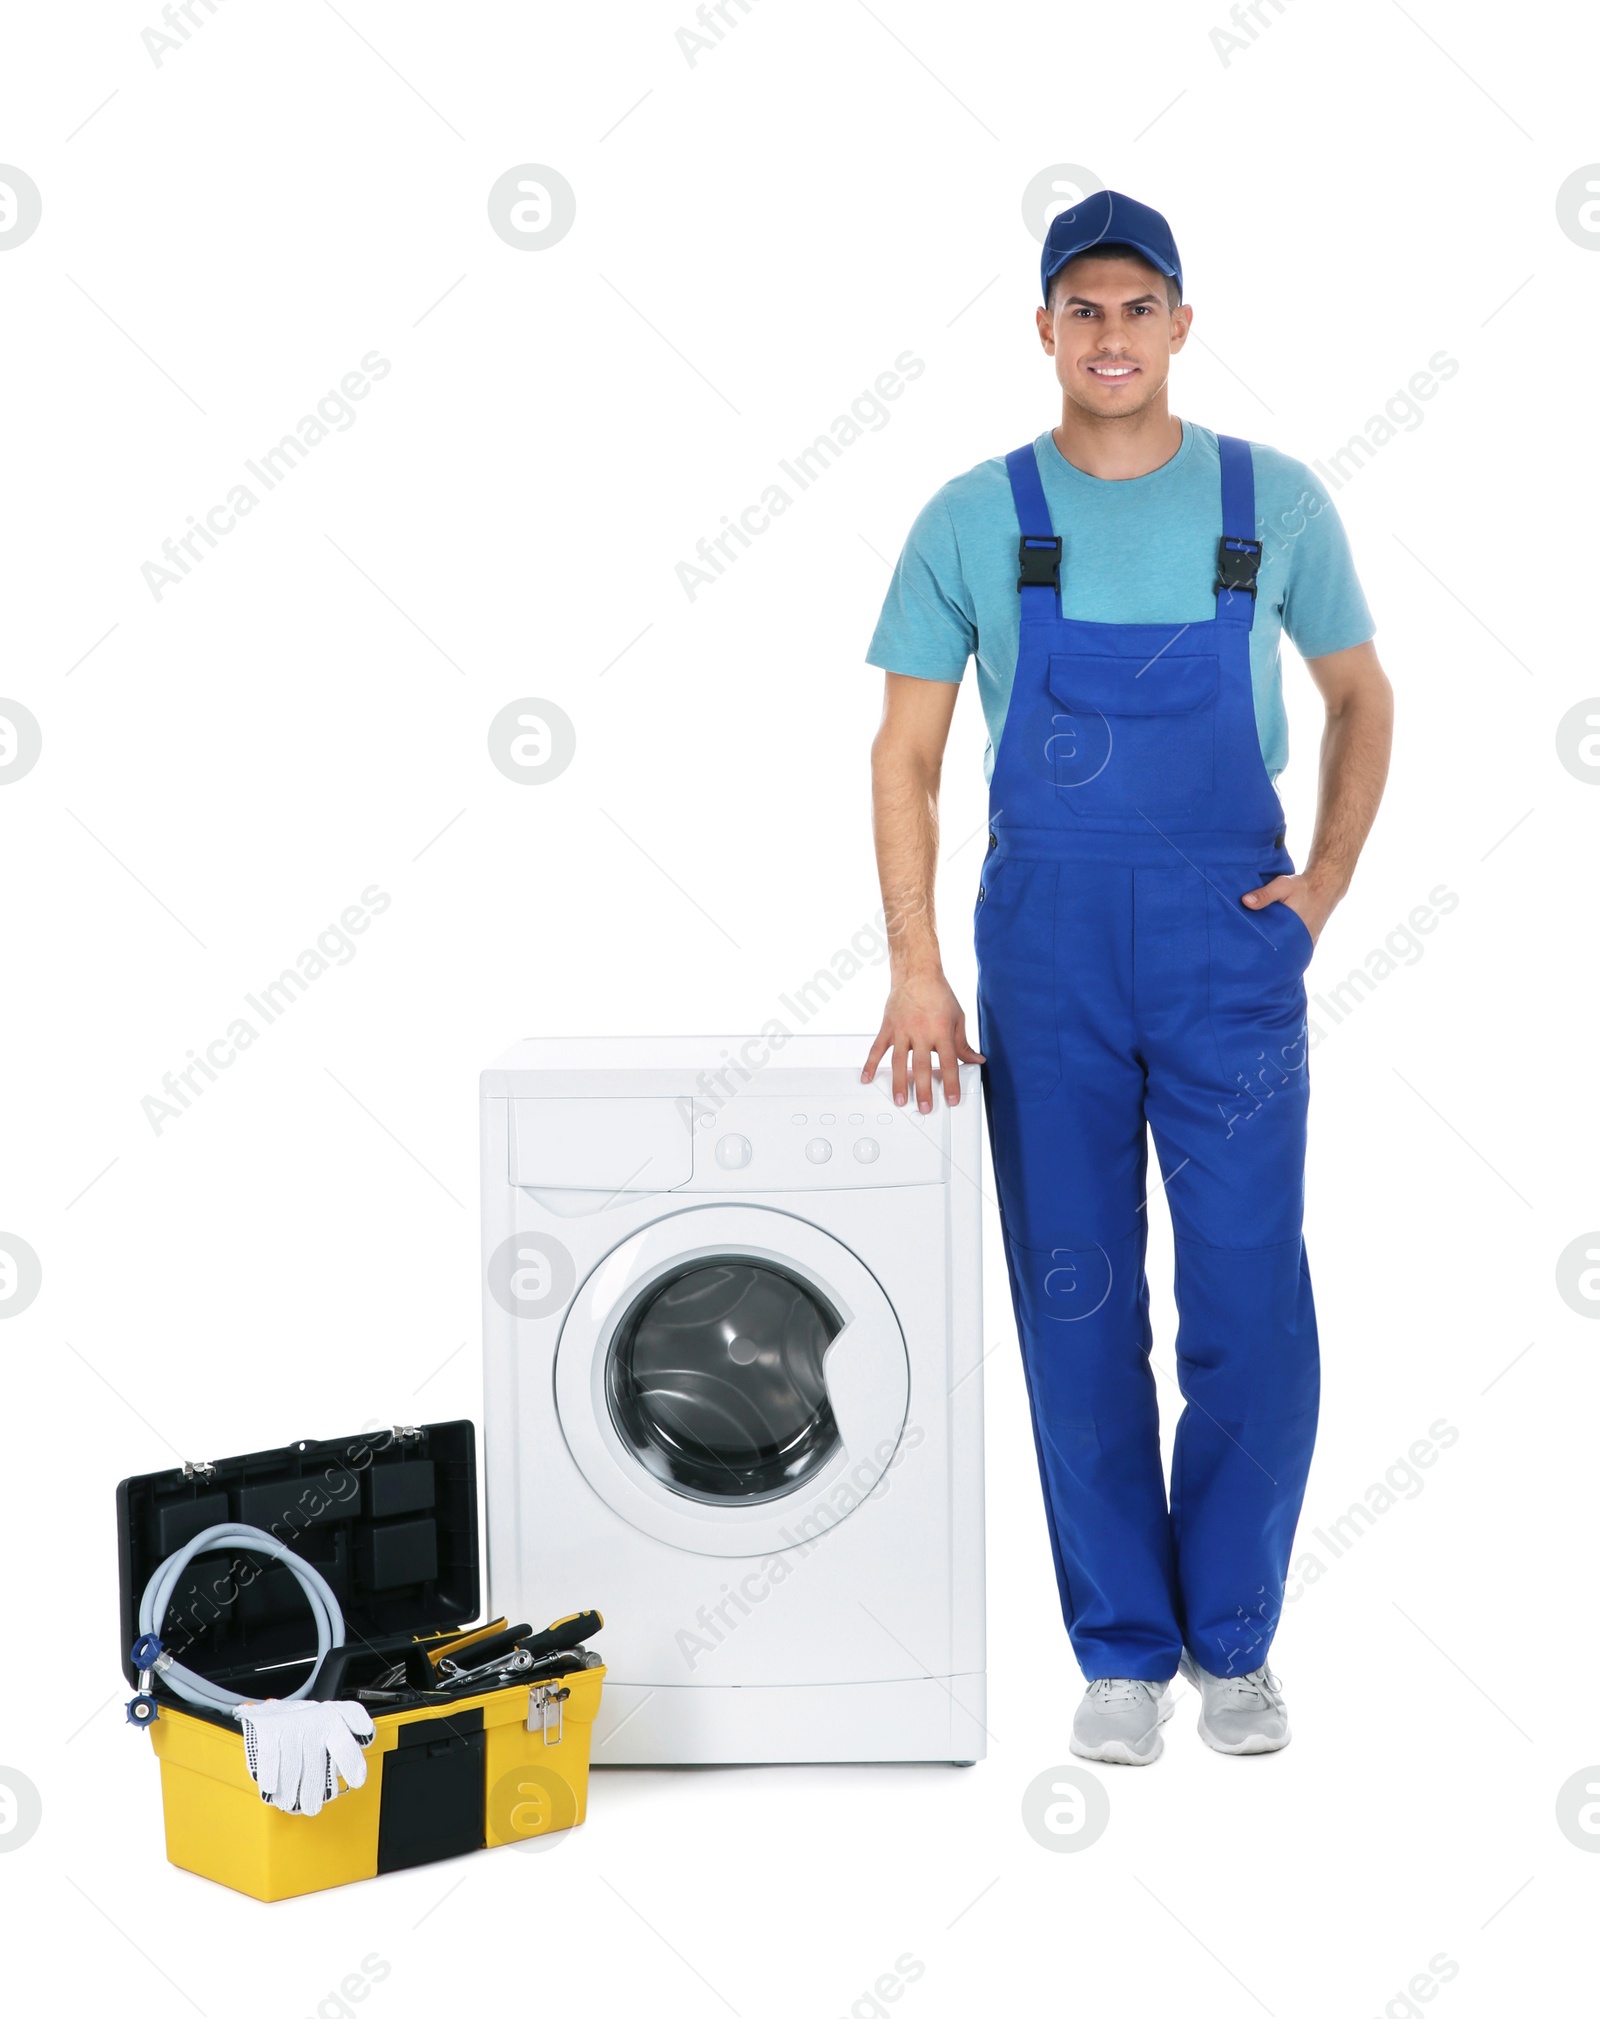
715,1380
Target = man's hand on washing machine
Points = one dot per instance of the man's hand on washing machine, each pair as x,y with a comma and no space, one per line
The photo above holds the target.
922,1017
1312,902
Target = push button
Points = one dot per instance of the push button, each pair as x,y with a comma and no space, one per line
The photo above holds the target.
819,1149
733,1152
994,842
867,1150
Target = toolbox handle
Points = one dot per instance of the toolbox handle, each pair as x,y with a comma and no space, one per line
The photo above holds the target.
330,1682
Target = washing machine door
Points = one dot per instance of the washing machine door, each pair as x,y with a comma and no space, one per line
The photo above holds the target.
727,1373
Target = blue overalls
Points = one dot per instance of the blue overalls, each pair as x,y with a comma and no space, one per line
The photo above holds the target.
1122,982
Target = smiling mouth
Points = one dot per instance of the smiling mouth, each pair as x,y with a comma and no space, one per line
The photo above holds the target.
1112,374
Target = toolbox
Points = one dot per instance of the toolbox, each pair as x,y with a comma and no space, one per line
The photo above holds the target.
390,1519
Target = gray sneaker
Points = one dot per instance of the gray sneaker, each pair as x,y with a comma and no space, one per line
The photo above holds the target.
1120,1721
1239,1713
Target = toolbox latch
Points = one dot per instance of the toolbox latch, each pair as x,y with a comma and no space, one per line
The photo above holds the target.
542,1698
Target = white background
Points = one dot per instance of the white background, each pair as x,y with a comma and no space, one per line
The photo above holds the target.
224,770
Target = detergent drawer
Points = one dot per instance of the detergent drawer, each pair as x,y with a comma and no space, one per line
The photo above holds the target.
620,1145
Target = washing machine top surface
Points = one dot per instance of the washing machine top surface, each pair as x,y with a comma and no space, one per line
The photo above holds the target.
714,1068
691,1054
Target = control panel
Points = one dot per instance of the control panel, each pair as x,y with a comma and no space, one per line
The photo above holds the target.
767,1143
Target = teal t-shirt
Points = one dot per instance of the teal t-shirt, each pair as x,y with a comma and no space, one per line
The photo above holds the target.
1136,550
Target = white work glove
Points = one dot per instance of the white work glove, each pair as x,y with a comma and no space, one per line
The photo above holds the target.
297,1751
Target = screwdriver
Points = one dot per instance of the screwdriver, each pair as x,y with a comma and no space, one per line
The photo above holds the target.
564,1633
558,1638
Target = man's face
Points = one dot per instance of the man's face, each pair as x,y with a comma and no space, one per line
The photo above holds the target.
1111,333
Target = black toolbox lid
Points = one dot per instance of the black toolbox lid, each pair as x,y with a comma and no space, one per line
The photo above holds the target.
389,1517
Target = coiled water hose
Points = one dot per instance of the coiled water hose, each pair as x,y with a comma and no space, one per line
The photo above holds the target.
151,1658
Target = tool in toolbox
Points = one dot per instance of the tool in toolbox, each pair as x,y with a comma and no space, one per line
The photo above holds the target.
494,1650
416,1666
519,1648
480,1734
506,1665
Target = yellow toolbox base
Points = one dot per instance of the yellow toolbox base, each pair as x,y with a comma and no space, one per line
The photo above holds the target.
218,1825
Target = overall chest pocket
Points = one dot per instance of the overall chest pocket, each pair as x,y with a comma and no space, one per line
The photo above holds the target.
1133,736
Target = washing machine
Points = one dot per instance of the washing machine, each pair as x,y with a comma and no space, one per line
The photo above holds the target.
733,1392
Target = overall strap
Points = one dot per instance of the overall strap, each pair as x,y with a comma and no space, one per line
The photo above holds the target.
1039,549
1238,551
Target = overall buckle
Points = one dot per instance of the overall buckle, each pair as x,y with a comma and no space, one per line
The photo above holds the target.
1237,563
1039,562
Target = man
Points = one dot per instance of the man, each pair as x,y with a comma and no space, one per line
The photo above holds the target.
1142,937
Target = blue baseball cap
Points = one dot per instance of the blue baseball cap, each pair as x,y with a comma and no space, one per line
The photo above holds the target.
1109,218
